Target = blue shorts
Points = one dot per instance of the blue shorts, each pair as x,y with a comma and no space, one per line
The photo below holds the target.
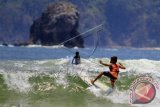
108,74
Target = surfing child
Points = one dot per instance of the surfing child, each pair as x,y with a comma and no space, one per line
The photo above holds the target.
114,70
76,59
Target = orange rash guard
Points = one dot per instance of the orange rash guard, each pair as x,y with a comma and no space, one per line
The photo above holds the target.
114,70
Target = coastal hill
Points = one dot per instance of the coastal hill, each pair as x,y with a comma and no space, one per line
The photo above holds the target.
132,23
57,24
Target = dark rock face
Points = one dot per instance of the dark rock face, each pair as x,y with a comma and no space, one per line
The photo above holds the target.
56,25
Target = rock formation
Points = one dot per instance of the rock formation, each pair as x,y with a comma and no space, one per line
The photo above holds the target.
57,24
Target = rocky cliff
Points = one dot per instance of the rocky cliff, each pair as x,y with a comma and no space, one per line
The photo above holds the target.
57,24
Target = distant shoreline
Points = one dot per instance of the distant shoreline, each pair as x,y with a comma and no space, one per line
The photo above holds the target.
147,48
140,48
109,47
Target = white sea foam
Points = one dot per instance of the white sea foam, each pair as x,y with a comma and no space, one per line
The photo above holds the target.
17,80
17,73
143,66
37,46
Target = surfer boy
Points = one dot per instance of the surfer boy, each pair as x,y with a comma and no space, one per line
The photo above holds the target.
76,59
114,70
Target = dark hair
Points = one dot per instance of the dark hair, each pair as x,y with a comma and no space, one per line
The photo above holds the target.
77,53
113,59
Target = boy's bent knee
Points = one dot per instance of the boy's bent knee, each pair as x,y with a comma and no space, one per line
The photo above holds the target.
102,73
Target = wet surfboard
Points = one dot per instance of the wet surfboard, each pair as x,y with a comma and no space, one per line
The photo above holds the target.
87,79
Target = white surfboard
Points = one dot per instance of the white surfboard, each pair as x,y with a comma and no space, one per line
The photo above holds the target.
82,72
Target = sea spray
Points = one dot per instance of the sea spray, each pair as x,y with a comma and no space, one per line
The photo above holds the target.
47,79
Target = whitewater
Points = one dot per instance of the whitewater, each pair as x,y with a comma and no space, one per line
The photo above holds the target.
37,76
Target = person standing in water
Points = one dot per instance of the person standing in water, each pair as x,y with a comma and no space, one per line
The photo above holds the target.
114,70
76,59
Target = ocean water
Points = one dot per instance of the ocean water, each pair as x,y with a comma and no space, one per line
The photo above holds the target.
36,76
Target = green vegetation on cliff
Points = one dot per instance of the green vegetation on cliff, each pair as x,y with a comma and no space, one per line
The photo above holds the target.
127,22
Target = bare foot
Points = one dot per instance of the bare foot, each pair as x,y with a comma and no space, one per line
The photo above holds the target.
92,82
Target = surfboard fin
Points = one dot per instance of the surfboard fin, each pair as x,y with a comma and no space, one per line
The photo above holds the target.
109,91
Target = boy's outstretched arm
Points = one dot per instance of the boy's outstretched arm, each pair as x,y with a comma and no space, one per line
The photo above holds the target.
121,66
100,61
72,60
80,60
